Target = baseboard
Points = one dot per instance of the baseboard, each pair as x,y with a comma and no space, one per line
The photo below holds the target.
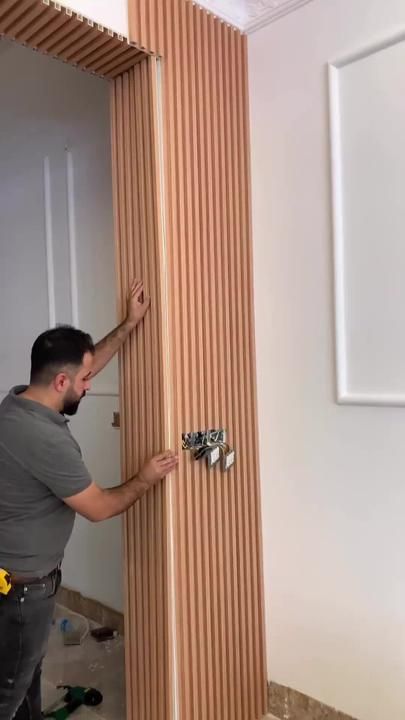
288,704
92,609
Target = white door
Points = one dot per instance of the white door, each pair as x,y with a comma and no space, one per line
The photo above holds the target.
57,264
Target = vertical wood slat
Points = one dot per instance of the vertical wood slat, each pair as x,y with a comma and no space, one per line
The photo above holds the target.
247,267
234,687
145,21
223,641
144,430
184,549
215,518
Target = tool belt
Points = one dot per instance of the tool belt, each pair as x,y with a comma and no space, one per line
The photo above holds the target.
5,582
9,580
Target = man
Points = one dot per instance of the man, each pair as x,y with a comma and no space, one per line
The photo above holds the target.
43,483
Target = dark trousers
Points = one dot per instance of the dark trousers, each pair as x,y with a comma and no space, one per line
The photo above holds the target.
26,615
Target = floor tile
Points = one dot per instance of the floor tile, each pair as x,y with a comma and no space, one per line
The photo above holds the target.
92,664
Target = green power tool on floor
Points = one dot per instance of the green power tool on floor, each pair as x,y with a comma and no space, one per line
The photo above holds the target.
75,697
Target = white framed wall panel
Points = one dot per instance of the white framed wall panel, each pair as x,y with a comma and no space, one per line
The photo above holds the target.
367,115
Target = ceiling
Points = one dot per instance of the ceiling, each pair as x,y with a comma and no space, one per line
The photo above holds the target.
250,15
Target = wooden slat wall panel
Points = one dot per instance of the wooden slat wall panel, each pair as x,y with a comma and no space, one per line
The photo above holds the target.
143,393
211,664
220,669
63,34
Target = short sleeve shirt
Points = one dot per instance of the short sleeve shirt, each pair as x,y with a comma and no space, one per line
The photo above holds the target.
40,465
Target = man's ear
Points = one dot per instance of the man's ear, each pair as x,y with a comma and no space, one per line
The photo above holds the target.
61,382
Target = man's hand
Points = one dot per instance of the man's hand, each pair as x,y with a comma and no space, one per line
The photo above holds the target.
138,303
158,467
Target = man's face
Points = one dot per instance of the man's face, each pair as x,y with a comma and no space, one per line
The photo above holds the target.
80,384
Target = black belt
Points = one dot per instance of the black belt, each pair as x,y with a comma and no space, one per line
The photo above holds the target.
19,580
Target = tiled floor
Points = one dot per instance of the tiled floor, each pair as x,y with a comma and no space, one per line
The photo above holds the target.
92,664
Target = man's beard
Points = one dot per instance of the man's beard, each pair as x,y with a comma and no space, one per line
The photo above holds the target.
71,404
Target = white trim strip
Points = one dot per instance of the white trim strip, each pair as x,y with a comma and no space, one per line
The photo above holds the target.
50,265
338,237
74,295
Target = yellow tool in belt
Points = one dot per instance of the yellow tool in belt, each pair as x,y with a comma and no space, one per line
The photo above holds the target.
5,582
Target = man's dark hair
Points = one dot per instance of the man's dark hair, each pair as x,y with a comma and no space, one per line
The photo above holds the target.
56,349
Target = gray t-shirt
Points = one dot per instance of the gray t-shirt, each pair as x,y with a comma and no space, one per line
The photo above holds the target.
40,464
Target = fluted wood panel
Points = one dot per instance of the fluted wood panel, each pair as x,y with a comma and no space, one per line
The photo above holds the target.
143,392
61,33
195,632
218,601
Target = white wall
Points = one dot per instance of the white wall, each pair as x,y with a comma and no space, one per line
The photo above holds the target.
112,14
57,258
333,482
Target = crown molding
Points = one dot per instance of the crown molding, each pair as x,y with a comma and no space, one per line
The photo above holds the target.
250,15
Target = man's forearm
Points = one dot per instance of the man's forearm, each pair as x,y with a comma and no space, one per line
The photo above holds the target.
118,499
109,346
96,503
